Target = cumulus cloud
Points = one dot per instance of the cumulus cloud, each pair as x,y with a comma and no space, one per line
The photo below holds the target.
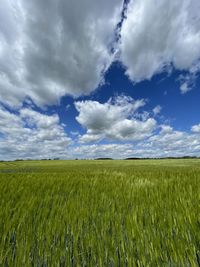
169,142
31,134
166,142
52,48
49,49
196,128
113,120
159,35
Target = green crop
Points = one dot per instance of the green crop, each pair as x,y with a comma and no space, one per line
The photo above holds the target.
100,213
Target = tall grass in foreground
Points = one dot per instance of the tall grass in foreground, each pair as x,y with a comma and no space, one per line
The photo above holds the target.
99,214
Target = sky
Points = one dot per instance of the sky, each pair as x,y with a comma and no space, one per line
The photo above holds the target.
89,79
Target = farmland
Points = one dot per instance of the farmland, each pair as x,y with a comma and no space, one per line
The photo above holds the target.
100,213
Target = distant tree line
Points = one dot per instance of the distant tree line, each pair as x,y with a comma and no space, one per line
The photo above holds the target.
106,158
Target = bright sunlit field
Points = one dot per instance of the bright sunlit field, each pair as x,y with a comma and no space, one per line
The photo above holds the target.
100,213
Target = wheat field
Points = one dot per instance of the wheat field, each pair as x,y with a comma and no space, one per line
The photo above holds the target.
100,213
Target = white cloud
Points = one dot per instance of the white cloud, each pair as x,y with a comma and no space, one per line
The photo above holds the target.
157,110
185,88
31,134
52,48
170,143
49,49
165,143
188,81
113,120
103,150
196,128
157,35
166,129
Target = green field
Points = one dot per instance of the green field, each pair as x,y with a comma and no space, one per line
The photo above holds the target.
100,213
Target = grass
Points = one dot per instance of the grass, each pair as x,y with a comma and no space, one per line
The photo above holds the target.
100,213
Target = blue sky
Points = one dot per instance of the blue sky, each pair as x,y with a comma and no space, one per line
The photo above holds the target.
78,81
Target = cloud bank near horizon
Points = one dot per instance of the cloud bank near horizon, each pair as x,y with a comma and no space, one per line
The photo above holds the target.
125,130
